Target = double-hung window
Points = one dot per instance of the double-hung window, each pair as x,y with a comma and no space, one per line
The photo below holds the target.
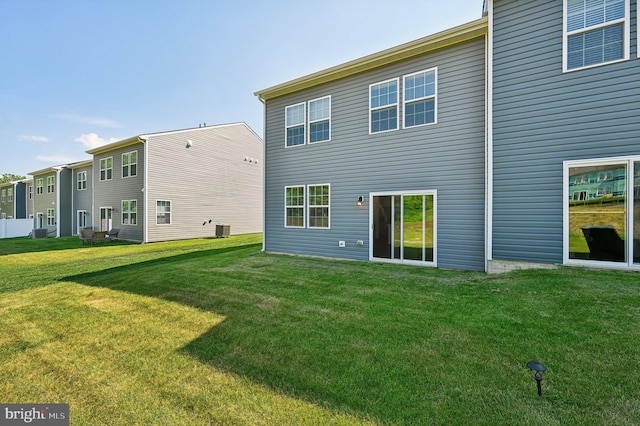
419,98
82,181
106,168
320,120
9,195
596,32
294,206
51,184
129,164
318,206
163,212
30,192
294,123
3,197
129,212
51,217
383,106
40,186
307,206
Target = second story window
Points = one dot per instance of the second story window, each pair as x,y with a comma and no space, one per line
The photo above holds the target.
3,198
39,186
596,32
9,195
106,168
51,184
82,181
419,98
383,106
320,120
30,192
294,123
130,164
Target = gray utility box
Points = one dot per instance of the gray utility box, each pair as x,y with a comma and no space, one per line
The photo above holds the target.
223,231
40,233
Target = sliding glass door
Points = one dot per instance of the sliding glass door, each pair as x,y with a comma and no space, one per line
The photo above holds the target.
602,208
403,227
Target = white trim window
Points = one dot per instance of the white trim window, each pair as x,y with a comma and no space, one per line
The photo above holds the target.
163,212
129,212
9,195
130,164
320,120
419,98
30,190
40,186
106,168
295,124
51,184
294,206
383,106
3,197
319,205
51,217
595,32
602,220
82,181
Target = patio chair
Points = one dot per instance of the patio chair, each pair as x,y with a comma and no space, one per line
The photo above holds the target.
112,235
86,236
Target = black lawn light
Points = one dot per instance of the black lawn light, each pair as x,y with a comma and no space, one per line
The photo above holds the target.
537,371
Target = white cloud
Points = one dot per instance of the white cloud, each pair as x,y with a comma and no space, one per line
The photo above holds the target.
93,121
92,140
34,138
55,159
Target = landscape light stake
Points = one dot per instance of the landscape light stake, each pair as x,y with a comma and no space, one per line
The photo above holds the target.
537,370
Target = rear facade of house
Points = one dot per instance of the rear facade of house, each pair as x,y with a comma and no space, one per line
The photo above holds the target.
566,151
52,200
383,158
179,184
82,195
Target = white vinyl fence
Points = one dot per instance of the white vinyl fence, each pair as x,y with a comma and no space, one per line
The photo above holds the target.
10,228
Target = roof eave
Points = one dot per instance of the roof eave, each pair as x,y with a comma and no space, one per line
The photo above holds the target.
115,145
408,50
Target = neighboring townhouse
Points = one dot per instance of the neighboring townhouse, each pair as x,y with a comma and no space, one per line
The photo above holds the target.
179,184
383,158
52,200
82,195
565,148
7,200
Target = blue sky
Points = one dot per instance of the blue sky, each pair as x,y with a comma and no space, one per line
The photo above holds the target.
75,74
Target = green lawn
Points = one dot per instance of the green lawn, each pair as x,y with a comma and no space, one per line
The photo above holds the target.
214,332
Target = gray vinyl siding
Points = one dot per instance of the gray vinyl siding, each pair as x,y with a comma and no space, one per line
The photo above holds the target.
82,199
218,180
46,200
20,199
447,157
542,117
111,193
64,213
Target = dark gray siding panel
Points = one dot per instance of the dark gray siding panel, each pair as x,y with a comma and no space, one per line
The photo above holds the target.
64,210
447,157
20,197
542,117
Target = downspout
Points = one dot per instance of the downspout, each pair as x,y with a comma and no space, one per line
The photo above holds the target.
489,147
58,192
145,189
264,169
